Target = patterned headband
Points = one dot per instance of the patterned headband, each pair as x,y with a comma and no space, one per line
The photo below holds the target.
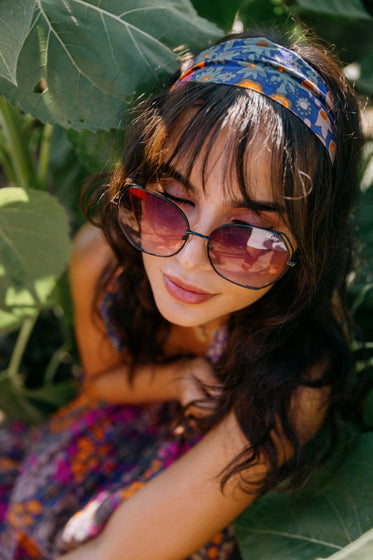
274,71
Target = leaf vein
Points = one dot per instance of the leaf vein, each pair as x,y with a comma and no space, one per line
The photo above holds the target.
117,18
141,54
6,64
339,517
12,245
294,536
109,41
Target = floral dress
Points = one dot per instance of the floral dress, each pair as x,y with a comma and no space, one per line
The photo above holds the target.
60,483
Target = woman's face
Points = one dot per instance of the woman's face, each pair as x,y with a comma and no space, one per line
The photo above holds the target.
187,290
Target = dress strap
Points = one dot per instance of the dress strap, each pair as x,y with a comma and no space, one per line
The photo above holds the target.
217,345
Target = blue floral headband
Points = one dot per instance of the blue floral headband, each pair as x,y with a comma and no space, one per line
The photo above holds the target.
274,71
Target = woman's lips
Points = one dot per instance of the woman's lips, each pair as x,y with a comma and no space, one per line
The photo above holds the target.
185,293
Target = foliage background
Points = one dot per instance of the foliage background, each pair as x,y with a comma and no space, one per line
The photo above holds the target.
69,71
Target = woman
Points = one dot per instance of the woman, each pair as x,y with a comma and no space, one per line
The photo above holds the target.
220,345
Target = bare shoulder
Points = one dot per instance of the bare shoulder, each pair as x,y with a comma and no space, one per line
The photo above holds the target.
89,257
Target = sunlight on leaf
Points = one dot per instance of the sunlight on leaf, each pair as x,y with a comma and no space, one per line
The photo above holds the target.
12,319
34,250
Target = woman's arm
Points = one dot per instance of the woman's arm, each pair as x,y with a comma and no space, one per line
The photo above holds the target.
178,511
177,381
182,508
105,368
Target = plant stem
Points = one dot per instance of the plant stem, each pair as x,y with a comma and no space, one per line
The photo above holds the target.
6,165
18,150
45,148
19,348
54,363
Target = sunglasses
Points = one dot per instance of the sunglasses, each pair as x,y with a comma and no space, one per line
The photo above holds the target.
249,256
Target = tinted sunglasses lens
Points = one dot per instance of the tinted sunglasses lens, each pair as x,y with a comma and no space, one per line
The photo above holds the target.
151,223
249,256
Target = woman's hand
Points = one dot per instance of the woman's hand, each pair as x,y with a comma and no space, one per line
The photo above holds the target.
198,388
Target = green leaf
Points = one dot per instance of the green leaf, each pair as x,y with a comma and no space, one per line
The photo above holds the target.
220,11
12,319
98,151
15,19
365,80
254,13
343,8
67,174
50,397
14,404
34,250
32,405
85,61
316,522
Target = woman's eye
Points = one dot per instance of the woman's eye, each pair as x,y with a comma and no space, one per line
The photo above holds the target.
252,220
243,222
177,199
262,220
175,191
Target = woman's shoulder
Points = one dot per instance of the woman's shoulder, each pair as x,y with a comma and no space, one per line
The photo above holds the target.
90,254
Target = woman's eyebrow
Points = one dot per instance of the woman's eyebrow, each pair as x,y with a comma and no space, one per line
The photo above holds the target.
171,172
256,205
259,205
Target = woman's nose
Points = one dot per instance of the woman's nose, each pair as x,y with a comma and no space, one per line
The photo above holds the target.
194,253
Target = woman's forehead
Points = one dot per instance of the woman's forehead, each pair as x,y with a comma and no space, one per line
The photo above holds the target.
248,175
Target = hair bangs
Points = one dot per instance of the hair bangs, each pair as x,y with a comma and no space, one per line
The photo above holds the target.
176,128
180,136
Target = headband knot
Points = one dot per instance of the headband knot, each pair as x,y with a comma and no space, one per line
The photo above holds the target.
274,71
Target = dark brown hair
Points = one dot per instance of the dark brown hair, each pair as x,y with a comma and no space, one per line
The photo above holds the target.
273,344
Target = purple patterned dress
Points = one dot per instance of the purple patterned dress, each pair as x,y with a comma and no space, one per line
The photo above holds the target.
60,483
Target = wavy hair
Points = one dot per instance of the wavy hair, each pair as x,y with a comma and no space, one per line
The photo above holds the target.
274,344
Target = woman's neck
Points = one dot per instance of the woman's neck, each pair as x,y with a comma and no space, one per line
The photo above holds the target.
192,340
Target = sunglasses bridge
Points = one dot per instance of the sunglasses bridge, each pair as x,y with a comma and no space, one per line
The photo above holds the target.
189,232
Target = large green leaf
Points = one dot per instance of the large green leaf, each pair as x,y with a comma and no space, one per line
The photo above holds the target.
317,521
344,8
34,249
85,61
15,19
